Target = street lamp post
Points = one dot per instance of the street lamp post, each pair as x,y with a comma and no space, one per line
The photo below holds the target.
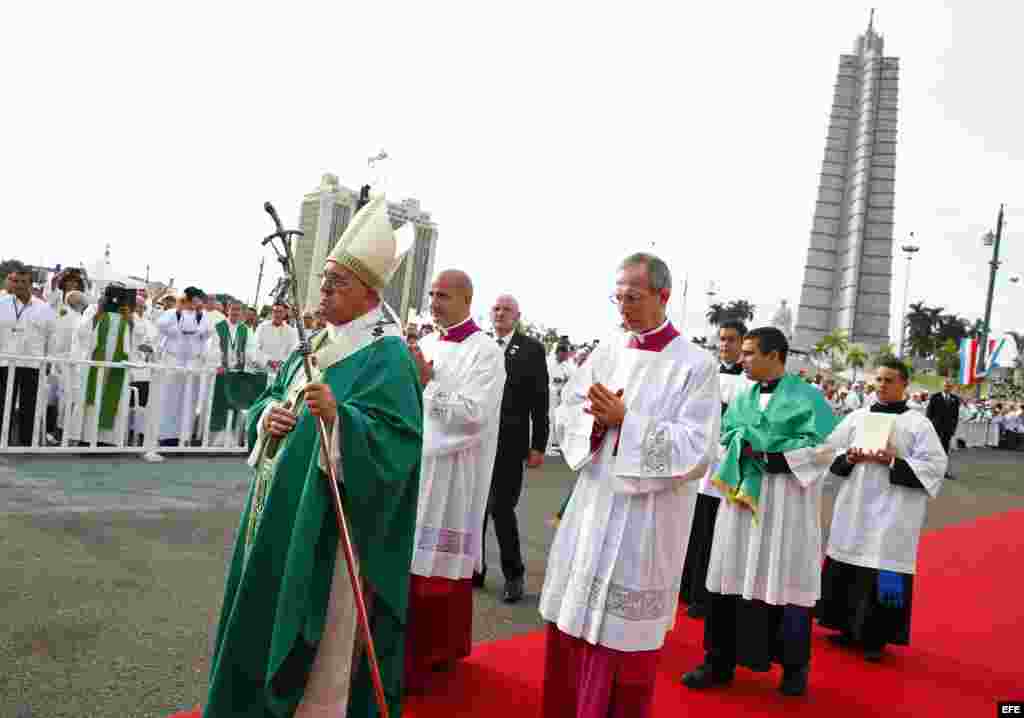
994,264
711,292
909,249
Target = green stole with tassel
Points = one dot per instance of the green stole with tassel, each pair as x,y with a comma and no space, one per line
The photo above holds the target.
115,377
234,388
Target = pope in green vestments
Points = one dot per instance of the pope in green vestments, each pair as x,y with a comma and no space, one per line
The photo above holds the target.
279,580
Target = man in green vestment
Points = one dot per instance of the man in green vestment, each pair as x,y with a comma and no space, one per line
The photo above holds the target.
239,382
287,642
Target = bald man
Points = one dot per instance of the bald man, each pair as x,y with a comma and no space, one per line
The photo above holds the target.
524,406
463,375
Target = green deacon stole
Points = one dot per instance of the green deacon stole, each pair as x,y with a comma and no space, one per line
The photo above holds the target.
115,377
796,417
234,389
241,337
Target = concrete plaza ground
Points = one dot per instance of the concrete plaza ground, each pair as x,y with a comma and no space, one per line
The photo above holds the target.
112,571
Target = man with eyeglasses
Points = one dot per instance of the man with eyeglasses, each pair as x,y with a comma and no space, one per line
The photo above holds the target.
287,642
463,375
641,420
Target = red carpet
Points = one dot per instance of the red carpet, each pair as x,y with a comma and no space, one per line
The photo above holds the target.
963,657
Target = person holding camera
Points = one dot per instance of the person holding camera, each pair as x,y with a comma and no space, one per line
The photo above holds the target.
185,331
105,334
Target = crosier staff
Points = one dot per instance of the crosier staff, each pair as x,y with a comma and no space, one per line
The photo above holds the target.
290,287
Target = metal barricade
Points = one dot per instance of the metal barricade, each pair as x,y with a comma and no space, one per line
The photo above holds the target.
73,374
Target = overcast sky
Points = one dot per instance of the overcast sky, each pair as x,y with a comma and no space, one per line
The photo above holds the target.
548,139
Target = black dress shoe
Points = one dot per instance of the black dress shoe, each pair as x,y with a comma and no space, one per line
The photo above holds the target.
704,676
841,639
478,579
794,681
515,589
695,610
873,655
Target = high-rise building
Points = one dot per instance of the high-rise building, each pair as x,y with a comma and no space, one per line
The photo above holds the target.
326,212
848,275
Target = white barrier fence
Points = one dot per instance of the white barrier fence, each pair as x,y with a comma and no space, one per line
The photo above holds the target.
981,432
63,381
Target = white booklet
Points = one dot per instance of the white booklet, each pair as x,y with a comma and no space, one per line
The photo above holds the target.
874,431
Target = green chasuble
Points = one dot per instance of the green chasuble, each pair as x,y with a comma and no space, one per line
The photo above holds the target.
278,586
796,417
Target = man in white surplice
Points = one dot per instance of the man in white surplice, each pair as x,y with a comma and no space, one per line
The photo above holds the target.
560,370
765,569
463,375
276,338
641,421
867,582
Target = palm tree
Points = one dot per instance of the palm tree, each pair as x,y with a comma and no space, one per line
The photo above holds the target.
551,337
716,314
921,323
856,357
835,345
947,358
740,309
884,352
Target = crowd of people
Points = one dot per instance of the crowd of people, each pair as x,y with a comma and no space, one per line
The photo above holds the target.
182,332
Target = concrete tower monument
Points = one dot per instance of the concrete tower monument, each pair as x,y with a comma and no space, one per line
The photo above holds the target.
848,275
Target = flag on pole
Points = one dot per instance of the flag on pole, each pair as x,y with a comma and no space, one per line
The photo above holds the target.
993,357
968,361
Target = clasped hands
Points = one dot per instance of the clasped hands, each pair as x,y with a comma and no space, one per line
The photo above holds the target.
320,399
607,408
861,456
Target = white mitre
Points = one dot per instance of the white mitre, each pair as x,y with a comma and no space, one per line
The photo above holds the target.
370,248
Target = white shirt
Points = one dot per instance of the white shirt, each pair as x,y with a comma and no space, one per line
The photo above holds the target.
877,524
26,329
184,336
461,406
276,343
617,558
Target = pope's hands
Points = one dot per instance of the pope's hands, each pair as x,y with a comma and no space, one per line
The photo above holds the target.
321,402
606,407
279,422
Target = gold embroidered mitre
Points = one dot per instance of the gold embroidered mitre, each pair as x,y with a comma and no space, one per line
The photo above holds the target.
369,247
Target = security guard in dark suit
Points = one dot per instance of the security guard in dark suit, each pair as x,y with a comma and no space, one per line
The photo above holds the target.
944,413
524,405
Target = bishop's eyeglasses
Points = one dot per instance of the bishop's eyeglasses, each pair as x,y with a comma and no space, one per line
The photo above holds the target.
330,281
